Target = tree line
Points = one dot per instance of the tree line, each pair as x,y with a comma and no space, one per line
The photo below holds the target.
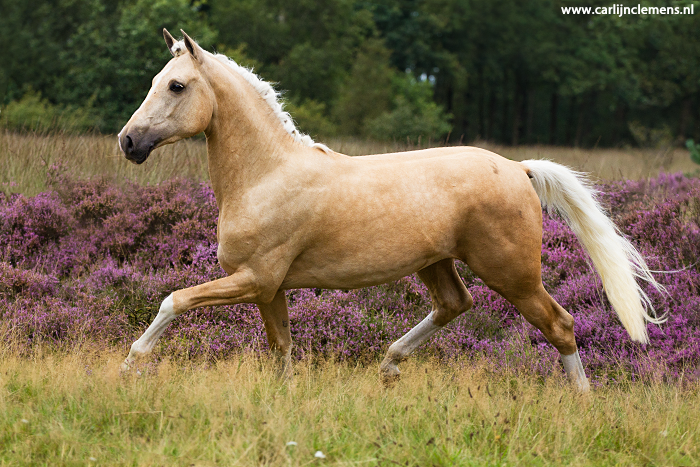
511,72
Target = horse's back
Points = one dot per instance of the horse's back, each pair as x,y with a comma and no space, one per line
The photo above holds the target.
429,153
475,179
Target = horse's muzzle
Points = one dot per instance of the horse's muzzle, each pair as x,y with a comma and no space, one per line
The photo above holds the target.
137,148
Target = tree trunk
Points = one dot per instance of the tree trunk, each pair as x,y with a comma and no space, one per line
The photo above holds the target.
686,108
530,112
481,129
517,111
460,98
570,121
505,109
620,124
581,124
553,111
492,115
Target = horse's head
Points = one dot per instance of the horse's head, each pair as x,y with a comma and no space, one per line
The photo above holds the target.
179,104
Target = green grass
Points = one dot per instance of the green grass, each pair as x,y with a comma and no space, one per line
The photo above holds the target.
71,408
25,158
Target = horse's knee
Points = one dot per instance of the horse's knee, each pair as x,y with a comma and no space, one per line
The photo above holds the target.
448,308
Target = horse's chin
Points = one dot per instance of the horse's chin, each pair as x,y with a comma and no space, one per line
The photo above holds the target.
139,159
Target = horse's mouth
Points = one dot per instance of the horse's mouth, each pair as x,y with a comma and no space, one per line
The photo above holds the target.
138,160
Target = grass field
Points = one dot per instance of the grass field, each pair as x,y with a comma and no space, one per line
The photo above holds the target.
24,159
74,407
77,409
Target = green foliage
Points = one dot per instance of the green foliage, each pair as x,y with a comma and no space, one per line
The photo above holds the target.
651,137
310,116
307,45
129,37
366,93
33,113
414,114
82,53
694,150
511,71
239,55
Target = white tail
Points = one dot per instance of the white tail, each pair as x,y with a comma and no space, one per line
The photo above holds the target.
570,194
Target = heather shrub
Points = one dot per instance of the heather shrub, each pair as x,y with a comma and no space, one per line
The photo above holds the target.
91,260
16,282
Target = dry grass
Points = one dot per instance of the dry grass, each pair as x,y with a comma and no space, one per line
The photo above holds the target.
607,164
67,409
24,159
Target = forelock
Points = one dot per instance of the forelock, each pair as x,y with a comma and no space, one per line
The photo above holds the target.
178,48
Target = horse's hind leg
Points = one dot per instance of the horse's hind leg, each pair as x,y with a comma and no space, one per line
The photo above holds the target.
542,311
518,279
275,316
450,299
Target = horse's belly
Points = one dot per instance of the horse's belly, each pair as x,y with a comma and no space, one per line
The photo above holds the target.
364,254
353,272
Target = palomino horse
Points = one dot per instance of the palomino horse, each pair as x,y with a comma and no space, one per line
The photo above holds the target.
293,214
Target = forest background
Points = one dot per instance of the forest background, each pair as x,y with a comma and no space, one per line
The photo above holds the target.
509,72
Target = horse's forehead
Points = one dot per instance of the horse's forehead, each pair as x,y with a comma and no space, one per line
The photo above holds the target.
160,76
176,64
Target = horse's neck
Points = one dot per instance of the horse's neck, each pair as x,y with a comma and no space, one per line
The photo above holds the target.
245,141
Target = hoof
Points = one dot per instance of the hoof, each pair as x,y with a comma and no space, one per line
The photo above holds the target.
125,366
282,366
582,386
389,373
285,374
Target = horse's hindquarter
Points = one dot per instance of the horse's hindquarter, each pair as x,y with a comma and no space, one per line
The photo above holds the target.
380,218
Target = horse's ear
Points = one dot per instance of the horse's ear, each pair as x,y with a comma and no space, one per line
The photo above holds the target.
194,49
169,40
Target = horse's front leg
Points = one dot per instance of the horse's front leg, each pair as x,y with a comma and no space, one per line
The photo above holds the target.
237,288
275,316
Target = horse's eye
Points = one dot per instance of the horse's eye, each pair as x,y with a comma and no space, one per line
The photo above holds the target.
177,87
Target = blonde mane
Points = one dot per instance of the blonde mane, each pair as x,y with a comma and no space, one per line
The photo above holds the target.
267,92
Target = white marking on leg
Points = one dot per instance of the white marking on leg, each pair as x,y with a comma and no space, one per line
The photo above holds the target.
410,341
574,370
403,347
147,341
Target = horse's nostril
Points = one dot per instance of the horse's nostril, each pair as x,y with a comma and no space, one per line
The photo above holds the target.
129,143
